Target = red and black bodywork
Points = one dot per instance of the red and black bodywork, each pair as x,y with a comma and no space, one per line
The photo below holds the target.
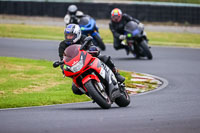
92,77
81,66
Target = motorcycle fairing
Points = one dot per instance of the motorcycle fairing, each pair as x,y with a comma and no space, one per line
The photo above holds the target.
90,77
132,30
105,74
92,64
95,33
82,55
112,85
104,71
85,28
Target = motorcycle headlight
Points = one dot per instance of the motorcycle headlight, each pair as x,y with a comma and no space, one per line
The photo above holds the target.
129,35
78,66
82,28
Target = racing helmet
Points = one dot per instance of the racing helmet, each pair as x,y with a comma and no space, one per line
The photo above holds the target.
116,15
72,9
72,34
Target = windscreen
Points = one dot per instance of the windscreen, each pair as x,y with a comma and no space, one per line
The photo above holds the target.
71,52
84,20
131,26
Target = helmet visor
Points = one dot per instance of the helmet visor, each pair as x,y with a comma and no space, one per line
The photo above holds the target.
69,36
116,18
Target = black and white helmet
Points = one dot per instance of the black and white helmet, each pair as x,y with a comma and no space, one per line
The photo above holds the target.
72,9
72,34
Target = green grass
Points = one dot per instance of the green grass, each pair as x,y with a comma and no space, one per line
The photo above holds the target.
174,39
26,82
30,31
56,33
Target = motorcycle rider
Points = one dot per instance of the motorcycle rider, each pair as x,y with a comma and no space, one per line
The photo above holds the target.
73,35
73,15
116,25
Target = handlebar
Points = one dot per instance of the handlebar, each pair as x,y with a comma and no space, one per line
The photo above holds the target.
86,43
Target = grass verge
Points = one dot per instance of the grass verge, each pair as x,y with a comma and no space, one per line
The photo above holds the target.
56,33
26,82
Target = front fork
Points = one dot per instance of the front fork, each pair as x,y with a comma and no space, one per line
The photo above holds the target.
131,45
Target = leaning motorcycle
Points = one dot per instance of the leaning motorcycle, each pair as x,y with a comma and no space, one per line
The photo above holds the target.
89,28
137,40
93,77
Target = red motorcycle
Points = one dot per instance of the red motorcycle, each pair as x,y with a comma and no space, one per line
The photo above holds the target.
93,77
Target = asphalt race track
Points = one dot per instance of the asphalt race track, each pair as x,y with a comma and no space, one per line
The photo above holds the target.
173,109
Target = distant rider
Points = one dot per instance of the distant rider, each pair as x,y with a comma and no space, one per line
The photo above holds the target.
73,35
116,25
73,15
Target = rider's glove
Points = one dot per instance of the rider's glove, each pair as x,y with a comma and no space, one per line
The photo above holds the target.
88,40
122,37
94,51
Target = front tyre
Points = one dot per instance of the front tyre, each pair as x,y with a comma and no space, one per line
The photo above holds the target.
98,94
146,50
124,99
99,41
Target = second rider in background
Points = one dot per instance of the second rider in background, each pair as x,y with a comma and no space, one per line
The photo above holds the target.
87,24
73,15
116,25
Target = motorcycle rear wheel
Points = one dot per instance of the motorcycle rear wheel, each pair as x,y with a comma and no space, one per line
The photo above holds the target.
99,96
124,99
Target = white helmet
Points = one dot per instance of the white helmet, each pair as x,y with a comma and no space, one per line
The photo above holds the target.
72,34
72,9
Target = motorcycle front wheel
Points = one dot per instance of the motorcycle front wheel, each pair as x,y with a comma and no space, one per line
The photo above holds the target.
99,41
98,94
146,50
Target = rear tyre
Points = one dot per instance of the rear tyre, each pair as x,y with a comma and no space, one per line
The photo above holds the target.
146,51
124,99
98,94
100,43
